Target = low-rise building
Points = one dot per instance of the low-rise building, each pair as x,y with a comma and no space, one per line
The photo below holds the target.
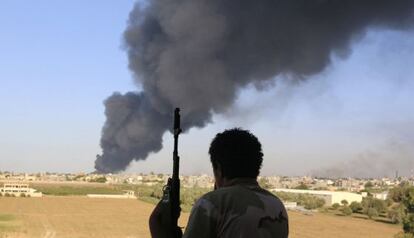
382,196
330,197
127,194
290,205
19,190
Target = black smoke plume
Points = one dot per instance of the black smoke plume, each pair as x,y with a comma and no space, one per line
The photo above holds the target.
198,54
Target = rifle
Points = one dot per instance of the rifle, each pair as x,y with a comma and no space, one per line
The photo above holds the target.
172,189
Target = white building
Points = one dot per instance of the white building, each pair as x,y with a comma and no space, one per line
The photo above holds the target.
382,196
290,205
330,197
127,194
19,190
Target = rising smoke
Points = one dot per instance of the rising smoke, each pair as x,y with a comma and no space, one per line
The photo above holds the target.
395,155
198,54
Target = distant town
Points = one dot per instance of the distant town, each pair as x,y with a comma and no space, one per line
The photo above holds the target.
205,181
351,189
380,199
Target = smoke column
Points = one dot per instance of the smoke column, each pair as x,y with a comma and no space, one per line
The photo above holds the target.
198,54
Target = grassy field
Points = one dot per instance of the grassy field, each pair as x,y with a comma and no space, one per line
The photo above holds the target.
8,224
150,194
70,189
76,216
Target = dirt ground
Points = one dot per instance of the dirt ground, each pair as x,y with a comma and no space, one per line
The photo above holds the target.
99,217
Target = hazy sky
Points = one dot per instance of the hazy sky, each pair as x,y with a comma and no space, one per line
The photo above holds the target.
60,59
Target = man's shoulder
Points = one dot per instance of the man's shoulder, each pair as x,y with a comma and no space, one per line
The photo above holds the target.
224,193
238,194
236,209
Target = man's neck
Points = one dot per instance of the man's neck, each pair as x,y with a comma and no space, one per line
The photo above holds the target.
239,181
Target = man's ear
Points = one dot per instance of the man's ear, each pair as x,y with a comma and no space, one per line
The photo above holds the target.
218,173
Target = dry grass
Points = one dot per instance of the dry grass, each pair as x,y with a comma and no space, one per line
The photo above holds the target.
324,226
86,217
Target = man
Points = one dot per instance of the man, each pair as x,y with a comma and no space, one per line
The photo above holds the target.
238,207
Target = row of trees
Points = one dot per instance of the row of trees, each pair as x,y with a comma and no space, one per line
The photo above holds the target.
13,195
399,208
369,206
403,198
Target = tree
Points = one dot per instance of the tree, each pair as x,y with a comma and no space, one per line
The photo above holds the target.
408,224
372,212
389,202
100,180
368,185
313,202
344,202
408,202
302,186
379,204
370,202
355,207
335,205
397,193
346,211
396,214
264,183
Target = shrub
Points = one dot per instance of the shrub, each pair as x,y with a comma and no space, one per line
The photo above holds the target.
389,202
99,180
368,185
408,223
302,186
375,203
408,203
397,194
7,195
403,235
344,202
264,183
335,205
23,195
396,214
346,211
311,202
372,212
356,207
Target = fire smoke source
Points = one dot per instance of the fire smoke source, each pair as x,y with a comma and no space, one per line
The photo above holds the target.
197,55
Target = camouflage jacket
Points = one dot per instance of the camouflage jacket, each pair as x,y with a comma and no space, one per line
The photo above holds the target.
242,210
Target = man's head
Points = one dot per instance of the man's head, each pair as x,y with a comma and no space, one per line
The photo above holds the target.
236,153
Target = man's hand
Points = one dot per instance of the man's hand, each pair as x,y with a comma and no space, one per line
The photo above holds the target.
160,221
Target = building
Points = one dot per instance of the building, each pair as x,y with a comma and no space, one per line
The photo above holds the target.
330,197
382,196
19,190
290,205
127,194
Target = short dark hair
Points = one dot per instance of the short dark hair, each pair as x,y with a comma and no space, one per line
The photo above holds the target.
238,152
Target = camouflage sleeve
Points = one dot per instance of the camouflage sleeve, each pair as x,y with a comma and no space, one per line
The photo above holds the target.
203,220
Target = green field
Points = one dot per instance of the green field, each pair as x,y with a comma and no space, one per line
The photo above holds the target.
8,223
151,194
